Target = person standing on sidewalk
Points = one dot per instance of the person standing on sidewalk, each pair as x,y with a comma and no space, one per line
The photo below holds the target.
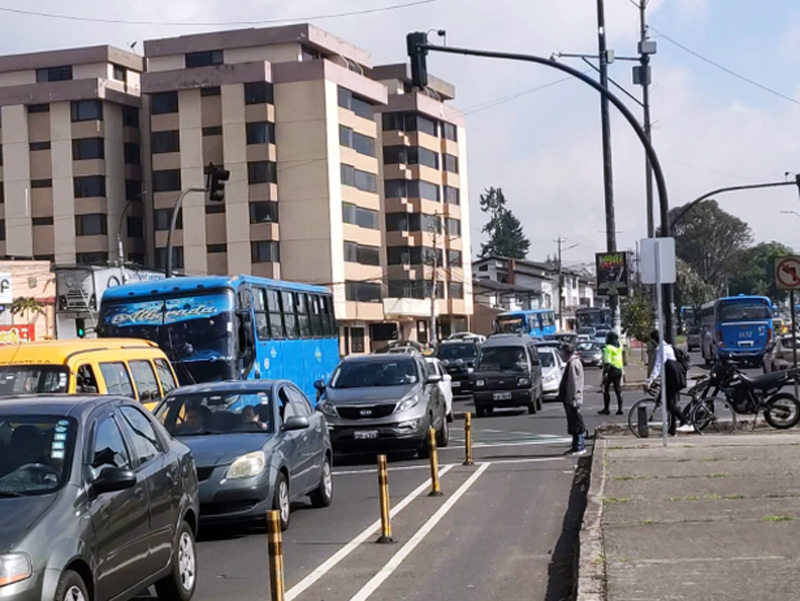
570,392
612,373
672,379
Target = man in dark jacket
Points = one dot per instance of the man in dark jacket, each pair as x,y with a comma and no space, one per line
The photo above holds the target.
570,392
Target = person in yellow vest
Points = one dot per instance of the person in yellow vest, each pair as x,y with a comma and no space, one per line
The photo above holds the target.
612,373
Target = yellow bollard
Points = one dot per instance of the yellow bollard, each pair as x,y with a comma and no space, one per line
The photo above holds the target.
468,439
383,484
275,548
436,490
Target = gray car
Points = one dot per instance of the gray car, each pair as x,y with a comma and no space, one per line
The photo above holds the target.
97,502
384,403
258,444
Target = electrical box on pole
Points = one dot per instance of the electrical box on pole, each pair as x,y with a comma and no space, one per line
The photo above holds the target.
418,55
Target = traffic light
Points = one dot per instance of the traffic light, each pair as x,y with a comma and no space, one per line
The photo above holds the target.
418,56
216,177
80,327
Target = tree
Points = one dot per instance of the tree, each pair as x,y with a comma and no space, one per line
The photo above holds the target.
756,273
27,306
506,237
636,316
710,241
690,289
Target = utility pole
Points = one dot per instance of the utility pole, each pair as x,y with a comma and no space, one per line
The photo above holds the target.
646,48
560,284
432,335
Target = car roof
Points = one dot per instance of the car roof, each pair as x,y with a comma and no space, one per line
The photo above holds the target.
379,357
228,387
44,352
459,341
508,340
53,404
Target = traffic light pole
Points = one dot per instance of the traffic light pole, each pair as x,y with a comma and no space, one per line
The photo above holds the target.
174,222
418,48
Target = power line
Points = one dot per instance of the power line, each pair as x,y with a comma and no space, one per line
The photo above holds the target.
490,103
725,69
365,11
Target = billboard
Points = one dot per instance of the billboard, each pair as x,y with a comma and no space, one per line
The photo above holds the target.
613,274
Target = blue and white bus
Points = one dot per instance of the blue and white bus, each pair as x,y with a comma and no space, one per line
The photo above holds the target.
217,328
736,327
534,322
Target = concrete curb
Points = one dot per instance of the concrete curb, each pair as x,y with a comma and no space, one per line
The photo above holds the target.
591,563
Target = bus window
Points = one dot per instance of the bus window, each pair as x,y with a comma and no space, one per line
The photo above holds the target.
302,315
328,320
289,317
168,383
316,315
262,320
275,317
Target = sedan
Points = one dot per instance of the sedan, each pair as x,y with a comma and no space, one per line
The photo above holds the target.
552,369
591,354
94,496
445,384
259,445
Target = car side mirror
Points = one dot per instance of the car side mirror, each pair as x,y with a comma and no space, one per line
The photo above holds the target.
433,379
113,479
320,385
295,422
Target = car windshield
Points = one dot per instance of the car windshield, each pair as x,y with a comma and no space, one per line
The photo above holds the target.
35,453
503,358
33,379
365,374
457,351
548,359
202,414
589,347
744,311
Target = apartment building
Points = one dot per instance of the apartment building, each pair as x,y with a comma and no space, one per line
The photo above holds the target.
70,156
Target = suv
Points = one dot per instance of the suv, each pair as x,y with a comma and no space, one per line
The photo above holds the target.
458,358
384,402
508,374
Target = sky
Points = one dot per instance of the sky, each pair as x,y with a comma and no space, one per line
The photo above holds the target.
542,146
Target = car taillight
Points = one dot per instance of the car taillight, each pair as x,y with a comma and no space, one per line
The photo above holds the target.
719,336
769,336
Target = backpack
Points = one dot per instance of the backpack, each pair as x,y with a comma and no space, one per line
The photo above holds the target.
684,363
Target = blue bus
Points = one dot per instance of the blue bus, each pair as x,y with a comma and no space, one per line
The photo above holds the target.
217,328
534,322
598,318
739,328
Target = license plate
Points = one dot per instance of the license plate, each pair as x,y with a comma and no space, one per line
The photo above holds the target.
456,384
502,396
365,434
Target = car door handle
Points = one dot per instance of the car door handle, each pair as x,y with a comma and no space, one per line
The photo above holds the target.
139,492
172,474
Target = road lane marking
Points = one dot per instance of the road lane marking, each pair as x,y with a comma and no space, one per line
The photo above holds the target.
330,563
451,465
387,570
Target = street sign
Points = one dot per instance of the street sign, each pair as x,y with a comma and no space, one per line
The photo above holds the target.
657,260
612,274
787,273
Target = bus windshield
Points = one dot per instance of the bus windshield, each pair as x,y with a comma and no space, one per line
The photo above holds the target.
743,310
510,324
194,330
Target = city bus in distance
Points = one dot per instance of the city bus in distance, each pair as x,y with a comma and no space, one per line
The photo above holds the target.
216,328
534,322
739,328
598,318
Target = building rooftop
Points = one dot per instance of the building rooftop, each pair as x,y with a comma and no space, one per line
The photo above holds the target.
71,56
402,72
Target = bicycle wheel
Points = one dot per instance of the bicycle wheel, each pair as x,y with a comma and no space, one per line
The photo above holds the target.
714,415
651,428
782,411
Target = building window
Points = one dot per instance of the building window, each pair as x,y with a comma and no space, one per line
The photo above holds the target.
1,154
133,153
264,251
167,180
42,221
409,122
453,226
450,163
359,216
166,102
264,211
359,142
216,248
367,182
34,146
215,130
53,74
350,101
258,92
401,188
410,155
130,116
212,91
133,189
42,183
87,110
162,218
95,224
177,257
357,340
203,59
261,172
363,254
449,131
135,227
165,141
261,132
96,258
412,222
309,54
413,255
38,108
136,259
2,229
88,186
414,289
454,258
455,290
215,208
452,195
362,292
88,148
119,72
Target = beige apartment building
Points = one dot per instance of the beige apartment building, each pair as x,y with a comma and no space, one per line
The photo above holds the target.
71,157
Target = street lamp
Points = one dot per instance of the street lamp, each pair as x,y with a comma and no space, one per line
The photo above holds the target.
120,247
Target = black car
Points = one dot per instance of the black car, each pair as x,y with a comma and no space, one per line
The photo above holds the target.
96,497
258,445
458,358
508,374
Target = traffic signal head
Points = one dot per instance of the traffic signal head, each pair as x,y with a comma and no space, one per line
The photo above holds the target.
216,177
80,327
417,54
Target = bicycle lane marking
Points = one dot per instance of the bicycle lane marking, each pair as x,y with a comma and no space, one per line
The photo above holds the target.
388,569
330,563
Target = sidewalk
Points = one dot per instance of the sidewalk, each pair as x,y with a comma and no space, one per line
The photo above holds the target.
710,517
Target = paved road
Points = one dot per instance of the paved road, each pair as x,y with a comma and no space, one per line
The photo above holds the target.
497,532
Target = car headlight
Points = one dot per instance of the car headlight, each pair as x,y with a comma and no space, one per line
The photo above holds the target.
480,383
14,568
550,378
470,370
407,403
327,409
247,466
524,382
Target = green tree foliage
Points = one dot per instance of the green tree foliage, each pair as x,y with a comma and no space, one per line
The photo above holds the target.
711,241
636,315
506,237
756,270
690,289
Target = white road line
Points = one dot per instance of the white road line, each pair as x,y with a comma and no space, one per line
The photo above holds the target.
521,443
330,563
452,465
387,570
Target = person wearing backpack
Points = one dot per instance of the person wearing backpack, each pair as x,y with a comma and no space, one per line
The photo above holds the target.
674,379
612,373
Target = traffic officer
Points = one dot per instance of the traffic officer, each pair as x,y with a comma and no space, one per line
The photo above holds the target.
612,373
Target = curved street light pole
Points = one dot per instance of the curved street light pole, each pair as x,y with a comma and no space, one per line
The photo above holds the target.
173,223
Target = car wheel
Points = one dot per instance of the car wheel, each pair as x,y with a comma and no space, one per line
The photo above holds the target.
71,587
323,495
450,416
480,411
443,435
181,581
540,399
280,501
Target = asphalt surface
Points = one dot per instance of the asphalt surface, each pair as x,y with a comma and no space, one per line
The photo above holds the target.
499,531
